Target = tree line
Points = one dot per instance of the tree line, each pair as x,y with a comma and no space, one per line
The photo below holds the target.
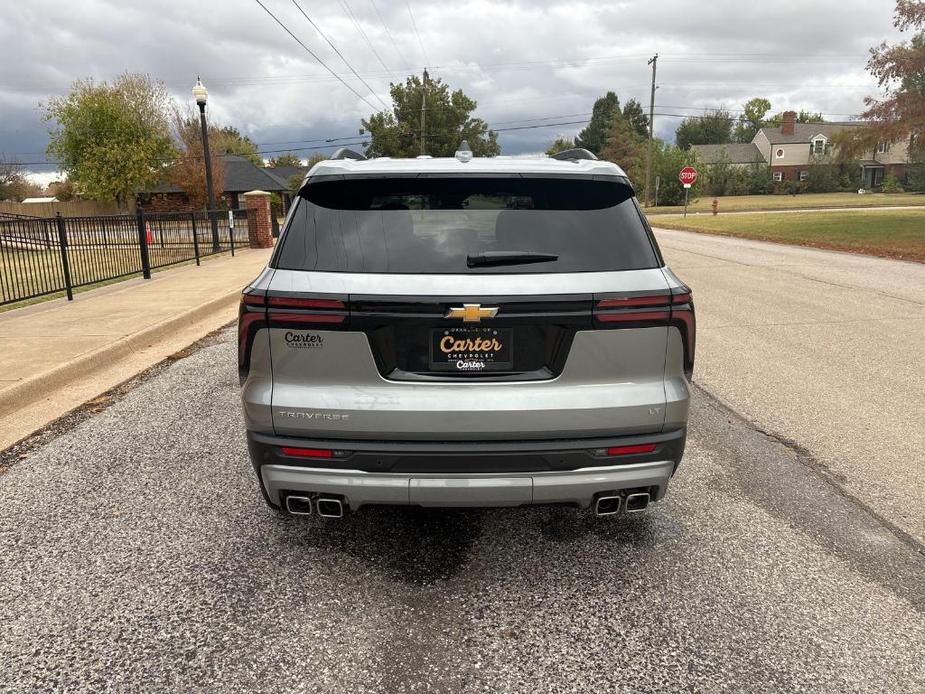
115,139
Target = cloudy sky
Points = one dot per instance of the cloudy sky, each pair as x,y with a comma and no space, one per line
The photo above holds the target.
527,63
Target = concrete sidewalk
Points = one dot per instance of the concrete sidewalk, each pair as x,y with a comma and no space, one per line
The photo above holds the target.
56,355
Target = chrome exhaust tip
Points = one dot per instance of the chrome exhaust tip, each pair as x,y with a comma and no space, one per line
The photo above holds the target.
299,505
607,504
636,503
330,508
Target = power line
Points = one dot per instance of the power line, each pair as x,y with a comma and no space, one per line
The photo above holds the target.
341,55
414,25
363,34
388,32
312,54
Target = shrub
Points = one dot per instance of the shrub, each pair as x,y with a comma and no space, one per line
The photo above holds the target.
823,178
891,184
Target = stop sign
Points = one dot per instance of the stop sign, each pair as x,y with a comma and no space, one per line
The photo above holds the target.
688,175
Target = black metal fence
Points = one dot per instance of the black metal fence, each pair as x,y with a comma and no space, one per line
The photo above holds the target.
41,256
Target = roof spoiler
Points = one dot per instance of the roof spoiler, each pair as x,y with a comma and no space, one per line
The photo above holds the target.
345,153
574,154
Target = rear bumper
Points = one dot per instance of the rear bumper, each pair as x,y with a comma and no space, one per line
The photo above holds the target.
472,475
358,488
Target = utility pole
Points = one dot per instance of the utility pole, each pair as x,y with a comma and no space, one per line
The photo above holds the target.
423,111
652,61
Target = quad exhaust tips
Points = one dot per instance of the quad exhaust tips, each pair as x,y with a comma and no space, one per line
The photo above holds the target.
636,503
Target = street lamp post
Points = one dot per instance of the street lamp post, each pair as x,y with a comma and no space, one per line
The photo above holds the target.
201,95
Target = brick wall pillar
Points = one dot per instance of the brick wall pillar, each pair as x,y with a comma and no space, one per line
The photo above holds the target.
259,221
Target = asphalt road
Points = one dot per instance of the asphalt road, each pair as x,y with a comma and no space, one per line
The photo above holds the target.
136,555
822,348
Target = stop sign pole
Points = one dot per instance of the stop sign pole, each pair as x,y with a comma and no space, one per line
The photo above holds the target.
687,177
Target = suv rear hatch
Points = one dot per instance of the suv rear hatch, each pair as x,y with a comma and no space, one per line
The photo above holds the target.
471,308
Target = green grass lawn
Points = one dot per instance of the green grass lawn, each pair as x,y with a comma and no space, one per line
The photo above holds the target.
888,233
744,203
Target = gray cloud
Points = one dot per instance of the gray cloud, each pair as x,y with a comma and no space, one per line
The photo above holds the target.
520,60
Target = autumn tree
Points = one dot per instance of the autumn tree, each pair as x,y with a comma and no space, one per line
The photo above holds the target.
188,171
448,121
112,139
899,115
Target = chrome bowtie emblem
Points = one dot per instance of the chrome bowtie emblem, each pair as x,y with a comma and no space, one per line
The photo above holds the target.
472,313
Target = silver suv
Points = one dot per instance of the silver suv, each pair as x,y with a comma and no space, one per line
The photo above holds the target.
465,332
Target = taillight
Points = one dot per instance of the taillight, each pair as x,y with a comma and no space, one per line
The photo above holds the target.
652,310
286,311
251,317
258,311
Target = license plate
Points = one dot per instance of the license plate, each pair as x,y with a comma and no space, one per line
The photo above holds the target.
471,349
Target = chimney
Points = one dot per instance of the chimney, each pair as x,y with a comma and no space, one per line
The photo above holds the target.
787,123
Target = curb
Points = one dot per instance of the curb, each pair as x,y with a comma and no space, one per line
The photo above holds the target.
37,387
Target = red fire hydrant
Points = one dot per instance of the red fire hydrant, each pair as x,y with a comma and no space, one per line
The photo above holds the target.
715,207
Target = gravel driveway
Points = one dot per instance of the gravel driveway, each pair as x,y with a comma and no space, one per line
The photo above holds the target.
137,555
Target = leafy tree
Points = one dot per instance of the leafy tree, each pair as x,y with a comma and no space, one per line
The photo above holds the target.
752,119
712,128
448,121
594,135
560,144
286,159
900,71
188,171
667,162
228,140
625,147
112,139
295,181
64,190
633,113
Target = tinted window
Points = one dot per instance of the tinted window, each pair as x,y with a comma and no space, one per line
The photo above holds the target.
432,225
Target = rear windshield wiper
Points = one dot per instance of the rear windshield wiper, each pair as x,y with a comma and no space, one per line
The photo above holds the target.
508,258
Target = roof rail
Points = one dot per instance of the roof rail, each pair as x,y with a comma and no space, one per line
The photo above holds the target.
345,153
574,154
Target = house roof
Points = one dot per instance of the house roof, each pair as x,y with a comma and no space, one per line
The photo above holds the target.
734,153
241,175
285,173
805,132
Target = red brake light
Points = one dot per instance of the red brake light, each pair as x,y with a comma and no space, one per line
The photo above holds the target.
307,452
652,308
296,302
631,450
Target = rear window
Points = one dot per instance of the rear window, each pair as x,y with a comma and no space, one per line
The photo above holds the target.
447,225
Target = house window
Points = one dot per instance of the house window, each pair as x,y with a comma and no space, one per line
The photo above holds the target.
883,147
804,175
778,176
780,153
819,146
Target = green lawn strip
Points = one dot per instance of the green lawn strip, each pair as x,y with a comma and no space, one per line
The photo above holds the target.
804,201
19,270
889,233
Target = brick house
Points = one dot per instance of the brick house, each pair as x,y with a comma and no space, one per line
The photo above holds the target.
792,148
241,176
